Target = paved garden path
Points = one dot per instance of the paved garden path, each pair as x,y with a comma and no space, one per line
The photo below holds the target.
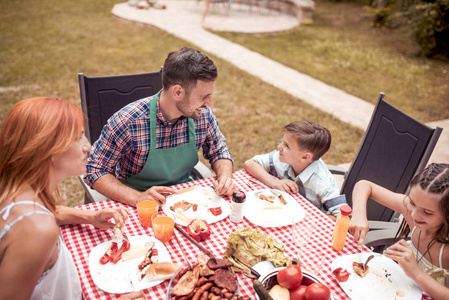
183,19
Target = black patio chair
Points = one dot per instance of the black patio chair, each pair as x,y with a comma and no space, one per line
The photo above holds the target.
101,97
395,147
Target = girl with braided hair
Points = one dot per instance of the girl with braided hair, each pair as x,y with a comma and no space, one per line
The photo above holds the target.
425,258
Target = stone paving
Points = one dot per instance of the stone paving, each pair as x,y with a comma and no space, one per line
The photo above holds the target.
183,19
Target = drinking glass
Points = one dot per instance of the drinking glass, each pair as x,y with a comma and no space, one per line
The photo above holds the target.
163,224
146,209
314,261
302,229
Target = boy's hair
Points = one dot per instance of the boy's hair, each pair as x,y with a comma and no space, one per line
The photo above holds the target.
310,136
435,180
185,67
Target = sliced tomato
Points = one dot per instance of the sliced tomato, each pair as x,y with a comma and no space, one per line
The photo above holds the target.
106,256
341,275
216,211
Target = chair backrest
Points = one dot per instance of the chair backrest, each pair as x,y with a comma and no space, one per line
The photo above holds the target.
101,97
394,149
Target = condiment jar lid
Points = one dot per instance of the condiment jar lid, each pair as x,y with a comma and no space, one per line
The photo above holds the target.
345,210
239,196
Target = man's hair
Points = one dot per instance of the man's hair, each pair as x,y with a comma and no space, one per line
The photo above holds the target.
310,136
33,132
185,67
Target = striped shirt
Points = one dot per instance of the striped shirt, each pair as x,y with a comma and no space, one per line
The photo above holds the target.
321,189
124,144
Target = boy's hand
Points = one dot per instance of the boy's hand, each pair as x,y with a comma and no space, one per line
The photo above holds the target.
285,185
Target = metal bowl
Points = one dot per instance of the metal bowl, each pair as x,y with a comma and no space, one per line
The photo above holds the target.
172,283
269,279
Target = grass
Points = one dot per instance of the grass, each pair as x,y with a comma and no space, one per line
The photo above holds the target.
342,49
46,43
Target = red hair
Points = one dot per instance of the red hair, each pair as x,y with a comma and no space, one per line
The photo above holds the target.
33,131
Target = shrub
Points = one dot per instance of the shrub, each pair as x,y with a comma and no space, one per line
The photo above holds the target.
380,16
430,25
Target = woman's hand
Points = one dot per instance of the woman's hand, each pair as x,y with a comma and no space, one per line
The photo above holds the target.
403,254
359,227
101,218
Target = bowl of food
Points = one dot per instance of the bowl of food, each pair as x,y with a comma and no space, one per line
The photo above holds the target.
316,287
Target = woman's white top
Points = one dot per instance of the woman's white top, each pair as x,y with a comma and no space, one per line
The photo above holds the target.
61,281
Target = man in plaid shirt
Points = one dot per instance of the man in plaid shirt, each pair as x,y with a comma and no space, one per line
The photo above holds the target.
153,142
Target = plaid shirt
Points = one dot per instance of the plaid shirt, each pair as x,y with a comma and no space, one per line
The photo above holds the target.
124,144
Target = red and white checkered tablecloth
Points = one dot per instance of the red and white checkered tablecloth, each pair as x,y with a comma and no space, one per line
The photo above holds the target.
80,239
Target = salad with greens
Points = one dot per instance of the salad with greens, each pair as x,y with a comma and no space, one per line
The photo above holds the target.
248,246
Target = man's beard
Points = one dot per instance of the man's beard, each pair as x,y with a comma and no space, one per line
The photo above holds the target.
186,111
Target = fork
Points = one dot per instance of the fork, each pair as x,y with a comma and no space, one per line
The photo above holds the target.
119,235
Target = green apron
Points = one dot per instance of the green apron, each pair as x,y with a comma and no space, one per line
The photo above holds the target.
165,166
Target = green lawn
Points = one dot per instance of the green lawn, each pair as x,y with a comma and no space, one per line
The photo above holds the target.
46,43
342,49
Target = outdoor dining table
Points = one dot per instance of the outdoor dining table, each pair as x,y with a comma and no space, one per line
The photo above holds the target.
81,239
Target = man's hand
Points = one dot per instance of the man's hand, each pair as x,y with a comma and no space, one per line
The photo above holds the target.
286,185
224,186
157,193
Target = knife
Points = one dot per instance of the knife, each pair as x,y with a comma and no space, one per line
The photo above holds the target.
182,251
191,239
182,191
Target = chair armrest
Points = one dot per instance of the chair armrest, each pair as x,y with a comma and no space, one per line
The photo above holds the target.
336,170
381,225
376,238
200,171
91,195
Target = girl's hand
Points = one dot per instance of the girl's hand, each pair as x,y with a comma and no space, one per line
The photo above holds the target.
359,227
285,185
403,254
101,218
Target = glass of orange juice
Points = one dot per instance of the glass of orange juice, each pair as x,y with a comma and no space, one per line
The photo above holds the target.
145,209
163,225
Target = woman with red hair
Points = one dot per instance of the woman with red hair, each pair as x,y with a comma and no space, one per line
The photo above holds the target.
42,141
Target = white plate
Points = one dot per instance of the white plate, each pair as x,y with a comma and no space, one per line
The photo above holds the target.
385,277
205,198
257,213
122,277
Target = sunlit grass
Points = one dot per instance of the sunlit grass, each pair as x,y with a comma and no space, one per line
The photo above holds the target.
341,49
46,43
